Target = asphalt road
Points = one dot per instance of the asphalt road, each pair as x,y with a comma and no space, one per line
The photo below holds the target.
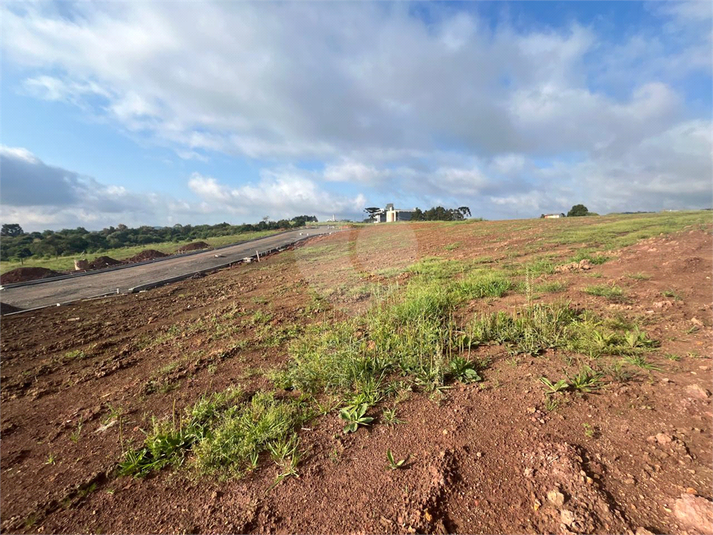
103,282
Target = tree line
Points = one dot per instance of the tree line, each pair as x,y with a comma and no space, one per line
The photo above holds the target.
437,213
17,244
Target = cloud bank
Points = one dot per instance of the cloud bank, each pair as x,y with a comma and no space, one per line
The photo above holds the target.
419,104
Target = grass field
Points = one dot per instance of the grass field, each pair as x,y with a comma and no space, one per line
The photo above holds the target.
66,263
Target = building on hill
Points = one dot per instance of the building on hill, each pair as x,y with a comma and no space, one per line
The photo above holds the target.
391,214
552,216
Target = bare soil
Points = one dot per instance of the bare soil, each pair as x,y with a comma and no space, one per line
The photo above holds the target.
481,459
195,246
24,274
147,254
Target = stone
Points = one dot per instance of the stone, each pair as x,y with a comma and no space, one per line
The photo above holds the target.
697,392
567,517
663,438
695,512
643,531
556,498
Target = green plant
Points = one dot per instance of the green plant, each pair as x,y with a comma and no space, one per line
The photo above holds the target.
553,388
611,291
389,417
641,362
673,356
551,403
74,437
355,416
673,294
586,380
394,464
464,370
589,430
51,459
639,276
636,339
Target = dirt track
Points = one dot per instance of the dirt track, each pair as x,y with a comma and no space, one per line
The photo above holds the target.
104,282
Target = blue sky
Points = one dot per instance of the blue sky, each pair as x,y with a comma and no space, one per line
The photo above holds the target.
166,112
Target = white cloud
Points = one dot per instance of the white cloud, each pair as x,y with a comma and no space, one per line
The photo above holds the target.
281,193
451,109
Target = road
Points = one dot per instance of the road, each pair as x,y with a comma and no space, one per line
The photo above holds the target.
97,283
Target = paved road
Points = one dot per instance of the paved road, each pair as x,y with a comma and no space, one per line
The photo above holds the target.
103,282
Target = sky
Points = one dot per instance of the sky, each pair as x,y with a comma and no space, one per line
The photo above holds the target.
165,112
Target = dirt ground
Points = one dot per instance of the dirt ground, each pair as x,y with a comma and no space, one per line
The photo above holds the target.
80,383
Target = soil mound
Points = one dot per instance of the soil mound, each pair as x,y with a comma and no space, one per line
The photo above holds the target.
102,262
24,274
148,254
195,246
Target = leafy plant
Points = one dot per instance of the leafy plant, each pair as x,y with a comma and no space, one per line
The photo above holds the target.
641,362
389,417
553,388
586,380
355,416
393,463
464,370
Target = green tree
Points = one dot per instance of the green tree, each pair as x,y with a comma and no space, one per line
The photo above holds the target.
578,210
11,229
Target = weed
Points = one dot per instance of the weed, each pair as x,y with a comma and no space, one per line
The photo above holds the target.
640,276
553,388
74,437
619,374
550,287
636,339
389,417
673,356
51,459
672,294
354,416
393,463
611,291
589,430
586,380
551,403
76,354
464,370
641,362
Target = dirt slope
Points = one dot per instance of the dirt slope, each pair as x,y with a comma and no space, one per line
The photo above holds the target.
482,458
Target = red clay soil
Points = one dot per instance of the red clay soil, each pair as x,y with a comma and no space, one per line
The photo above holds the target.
24,274
148,254
195,246
483,458
103,261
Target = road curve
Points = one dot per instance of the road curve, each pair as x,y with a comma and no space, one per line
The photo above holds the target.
97,283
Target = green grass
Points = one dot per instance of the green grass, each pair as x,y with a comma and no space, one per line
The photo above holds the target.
550,287
610,291
66,263
640,276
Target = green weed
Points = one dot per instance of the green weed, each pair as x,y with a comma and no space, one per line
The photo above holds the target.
393,463
354,416
611,291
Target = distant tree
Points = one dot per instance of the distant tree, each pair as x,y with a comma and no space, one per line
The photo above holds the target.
465,211
371,210
22,254
578,210
11,229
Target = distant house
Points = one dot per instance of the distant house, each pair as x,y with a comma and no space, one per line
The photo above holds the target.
391,214
552,216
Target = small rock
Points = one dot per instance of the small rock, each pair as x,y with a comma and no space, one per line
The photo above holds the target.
697,322
697,392
695,512
643,531
567,517
691,490
528,472
556,498
663,438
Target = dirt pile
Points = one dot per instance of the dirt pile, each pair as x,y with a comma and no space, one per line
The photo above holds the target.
148,254
195,246
24,274
102,262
